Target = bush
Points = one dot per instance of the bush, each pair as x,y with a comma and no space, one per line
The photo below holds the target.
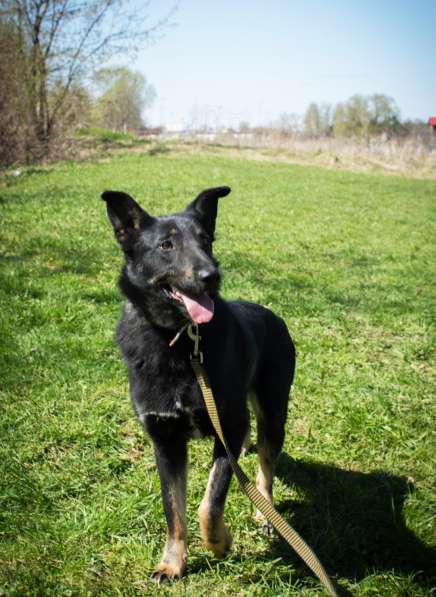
104,135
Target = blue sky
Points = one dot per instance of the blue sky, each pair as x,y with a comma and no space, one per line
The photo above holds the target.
226,61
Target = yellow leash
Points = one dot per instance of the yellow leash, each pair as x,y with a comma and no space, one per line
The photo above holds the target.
286,531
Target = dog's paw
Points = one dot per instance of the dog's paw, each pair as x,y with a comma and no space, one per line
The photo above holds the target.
265,526
220,547
165,571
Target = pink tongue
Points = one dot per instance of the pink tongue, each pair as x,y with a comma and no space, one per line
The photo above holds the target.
200,309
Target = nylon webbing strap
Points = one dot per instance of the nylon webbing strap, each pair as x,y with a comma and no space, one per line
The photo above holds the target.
260,501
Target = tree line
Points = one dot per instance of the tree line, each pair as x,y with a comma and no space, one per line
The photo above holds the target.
359,117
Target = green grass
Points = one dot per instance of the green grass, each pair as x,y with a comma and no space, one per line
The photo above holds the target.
347,259
104,135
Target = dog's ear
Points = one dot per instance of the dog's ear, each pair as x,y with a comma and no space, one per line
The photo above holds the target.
126,216
205,206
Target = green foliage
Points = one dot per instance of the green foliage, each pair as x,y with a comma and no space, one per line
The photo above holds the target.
359,116
125,95
76,106
104,135
384,114
362,116
347,259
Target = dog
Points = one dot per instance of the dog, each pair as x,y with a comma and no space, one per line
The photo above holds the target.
170,277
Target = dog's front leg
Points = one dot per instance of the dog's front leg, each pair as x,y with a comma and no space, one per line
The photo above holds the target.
171,460
214,533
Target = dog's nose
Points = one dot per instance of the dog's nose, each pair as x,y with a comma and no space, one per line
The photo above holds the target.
208,275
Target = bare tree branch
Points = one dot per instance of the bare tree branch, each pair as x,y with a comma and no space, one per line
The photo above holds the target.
66,39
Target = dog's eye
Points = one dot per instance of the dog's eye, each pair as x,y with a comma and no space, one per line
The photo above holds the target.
166,245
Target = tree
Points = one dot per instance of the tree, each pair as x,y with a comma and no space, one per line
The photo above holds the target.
358,115
317,120
325,118
340,124
312,121
14,109
76,107
384,114
66,39
362,116
125,95
352,118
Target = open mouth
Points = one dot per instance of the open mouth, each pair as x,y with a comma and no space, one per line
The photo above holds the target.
200,308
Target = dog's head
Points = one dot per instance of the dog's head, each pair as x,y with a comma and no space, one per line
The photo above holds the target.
170,271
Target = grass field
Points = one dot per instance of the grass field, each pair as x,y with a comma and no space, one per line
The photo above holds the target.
347,259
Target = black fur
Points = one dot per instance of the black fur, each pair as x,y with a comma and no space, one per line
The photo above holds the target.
245,346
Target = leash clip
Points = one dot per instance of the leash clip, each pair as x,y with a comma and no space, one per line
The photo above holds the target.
194,335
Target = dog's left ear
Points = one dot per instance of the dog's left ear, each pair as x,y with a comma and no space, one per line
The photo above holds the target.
205,206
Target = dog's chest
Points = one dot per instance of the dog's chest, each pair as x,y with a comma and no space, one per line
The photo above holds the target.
168,380
162,382
172,403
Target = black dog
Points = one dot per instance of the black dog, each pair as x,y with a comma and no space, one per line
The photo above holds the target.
170,277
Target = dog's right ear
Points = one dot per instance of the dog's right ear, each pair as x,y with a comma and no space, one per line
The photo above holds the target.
126,216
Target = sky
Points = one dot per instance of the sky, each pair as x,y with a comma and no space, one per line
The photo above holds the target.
223,61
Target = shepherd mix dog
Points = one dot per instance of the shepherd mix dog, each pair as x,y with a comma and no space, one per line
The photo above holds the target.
170,277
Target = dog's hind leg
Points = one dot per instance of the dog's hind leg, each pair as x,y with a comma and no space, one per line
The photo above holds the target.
171,459
214,532
246,444
270,406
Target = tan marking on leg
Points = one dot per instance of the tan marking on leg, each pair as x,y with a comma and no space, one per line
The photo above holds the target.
264,481
215,534
265,474
173,562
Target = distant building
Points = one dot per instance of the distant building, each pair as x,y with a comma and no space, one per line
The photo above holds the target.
432,123
150,131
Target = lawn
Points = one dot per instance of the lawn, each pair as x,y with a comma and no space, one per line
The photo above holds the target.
347,259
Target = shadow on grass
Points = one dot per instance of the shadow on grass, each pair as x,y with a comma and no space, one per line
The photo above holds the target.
354,522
